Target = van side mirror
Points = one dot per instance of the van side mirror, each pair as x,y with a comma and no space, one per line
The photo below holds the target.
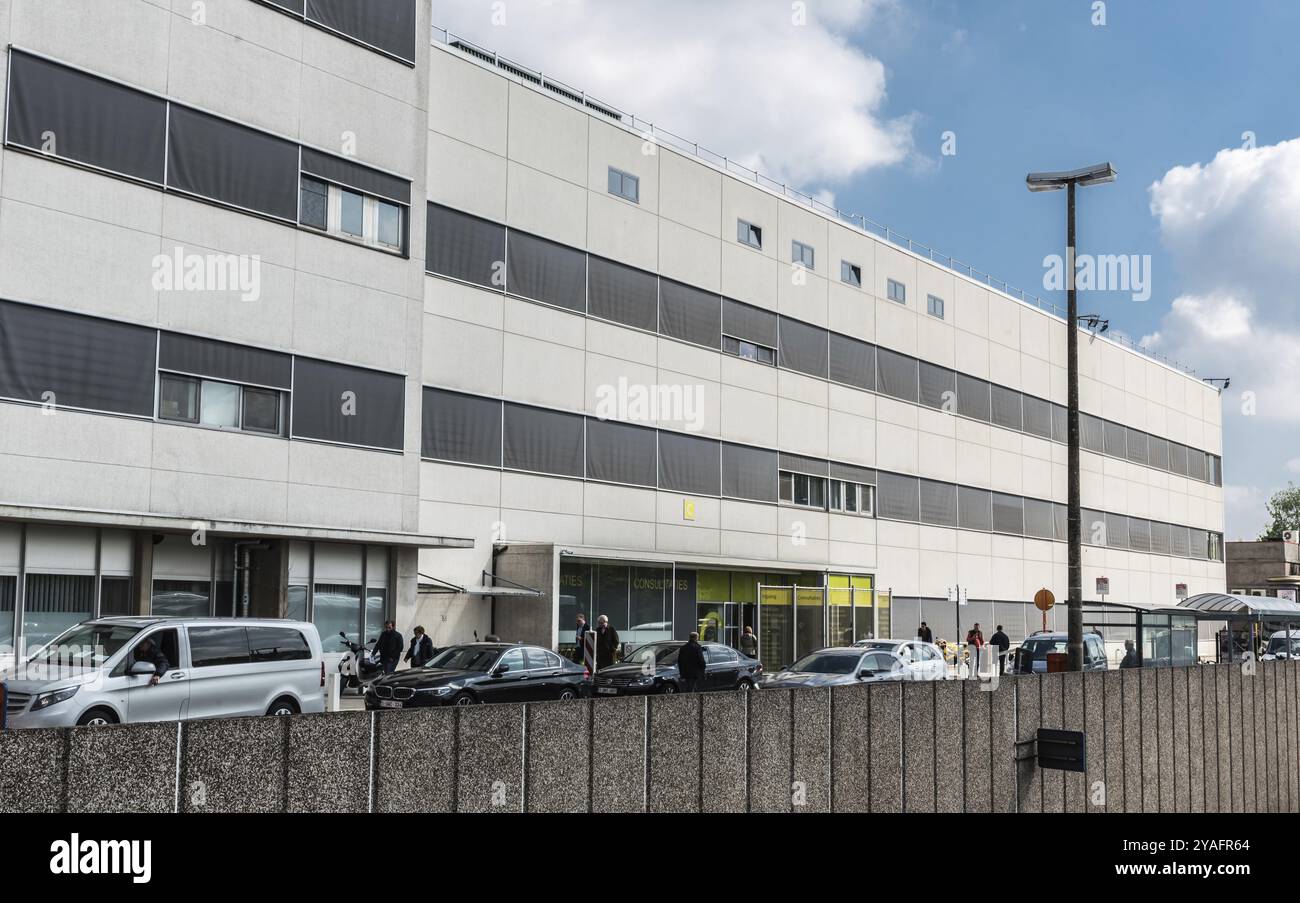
499,670
143,669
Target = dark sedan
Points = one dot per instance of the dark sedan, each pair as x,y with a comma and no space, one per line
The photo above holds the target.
653,669
480,672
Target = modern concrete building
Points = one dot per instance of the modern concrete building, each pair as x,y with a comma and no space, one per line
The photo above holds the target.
1264,568
504,339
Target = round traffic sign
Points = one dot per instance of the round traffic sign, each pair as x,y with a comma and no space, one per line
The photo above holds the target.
1043,599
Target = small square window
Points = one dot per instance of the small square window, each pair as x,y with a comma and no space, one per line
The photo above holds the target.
219,405
802,254
178,398
897,291
851,274
934,306
262,410
625,185
749,234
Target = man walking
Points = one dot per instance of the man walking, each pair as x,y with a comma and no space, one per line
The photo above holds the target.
690,664
389,647
1003,643
421,650
606,643
749,643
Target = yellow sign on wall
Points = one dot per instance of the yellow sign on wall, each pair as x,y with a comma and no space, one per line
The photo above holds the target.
688,509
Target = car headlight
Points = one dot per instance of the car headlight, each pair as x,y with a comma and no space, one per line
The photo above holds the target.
54,697
642,681
436,691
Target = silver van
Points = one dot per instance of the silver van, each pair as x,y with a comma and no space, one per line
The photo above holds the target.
96,672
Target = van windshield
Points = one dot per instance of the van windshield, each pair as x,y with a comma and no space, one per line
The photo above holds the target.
87,645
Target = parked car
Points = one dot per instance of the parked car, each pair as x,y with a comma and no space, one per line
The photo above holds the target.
481,672
217,667
652,668
919,660
1282,645
842,666
1031,656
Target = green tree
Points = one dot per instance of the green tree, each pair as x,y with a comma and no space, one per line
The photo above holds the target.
1284,509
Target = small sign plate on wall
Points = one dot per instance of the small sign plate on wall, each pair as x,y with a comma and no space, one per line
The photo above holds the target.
688,509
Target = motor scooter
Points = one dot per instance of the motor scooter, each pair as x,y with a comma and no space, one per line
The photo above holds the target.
359,665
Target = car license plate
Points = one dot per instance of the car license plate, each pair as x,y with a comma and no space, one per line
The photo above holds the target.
389,704
610,690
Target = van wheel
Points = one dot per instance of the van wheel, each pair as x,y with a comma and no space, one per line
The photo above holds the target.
463,699
283,706
568,693
97,718
745,684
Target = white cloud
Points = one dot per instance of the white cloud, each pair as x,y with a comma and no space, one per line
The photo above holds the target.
800,103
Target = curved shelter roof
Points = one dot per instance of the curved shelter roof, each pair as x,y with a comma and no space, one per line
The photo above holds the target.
1225,605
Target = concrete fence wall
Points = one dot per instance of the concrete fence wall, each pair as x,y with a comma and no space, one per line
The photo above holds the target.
1210,738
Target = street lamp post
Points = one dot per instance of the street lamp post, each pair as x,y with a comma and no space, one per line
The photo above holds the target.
1054,181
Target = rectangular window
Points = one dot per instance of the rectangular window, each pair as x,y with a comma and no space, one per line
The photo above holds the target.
546,271
852,498
803,255
57,110
1092,433
938,503
389,225
456,427
1159,538
898,497
1007,408
852,362
689,464
896,291
348,405
352,213
973,509
749,473
178,398
803,347
542,441
219,404
386,25
897,375
231,163
222,405
1061,522
1039,519
1038,416
690,314
1179,542
934,306
803,489
1117,531
973,398
938,387
314,203
1178,459
1158,453
624,185
850,274
1116,440
465,247
1139,534
68,360
261,412
225,361
215,646
749,234
749,351
748,323
1092,527
620,453
1199,544
1196,464
622,294
1008,514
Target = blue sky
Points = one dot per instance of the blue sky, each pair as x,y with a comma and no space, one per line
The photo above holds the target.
850,98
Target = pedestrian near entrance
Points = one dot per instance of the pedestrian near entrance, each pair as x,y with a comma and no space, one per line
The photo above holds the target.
974,642
1130,656
421,651
579,635
606,643
1003,643
690,664
389,647
924,634
749,643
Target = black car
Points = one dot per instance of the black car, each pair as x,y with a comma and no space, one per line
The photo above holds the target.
481,672
652,668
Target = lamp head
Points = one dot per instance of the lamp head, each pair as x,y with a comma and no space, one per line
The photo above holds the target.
1054,181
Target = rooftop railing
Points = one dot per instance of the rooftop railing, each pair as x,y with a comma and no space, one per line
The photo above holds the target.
664,137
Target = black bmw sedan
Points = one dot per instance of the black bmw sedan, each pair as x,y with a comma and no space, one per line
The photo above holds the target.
481,672
653,669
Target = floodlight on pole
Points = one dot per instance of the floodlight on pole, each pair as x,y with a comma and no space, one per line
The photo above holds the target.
1054,181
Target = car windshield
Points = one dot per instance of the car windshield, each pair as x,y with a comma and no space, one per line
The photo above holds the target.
465,658
659,653
1038,649
1278,644
826,663
86,645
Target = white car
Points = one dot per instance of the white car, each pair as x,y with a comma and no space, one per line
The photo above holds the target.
213,668
1282,646
918,660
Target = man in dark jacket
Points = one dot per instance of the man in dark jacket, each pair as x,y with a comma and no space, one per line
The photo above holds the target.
1130,656
1002,643
924,634
149,651
606,643
579,637
389,646
690,664
421,649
